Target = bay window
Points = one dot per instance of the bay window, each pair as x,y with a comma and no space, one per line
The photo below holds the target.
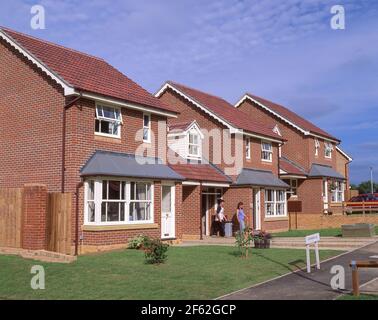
275,203
110,202
108,121
266,151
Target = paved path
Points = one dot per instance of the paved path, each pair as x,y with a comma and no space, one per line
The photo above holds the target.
315,286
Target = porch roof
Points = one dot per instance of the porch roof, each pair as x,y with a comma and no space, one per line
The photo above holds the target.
254,177
201,172
104,163
290,167
320,170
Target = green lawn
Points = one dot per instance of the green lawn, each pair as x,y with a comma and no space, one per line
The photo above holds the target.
323,233
189,273
361,297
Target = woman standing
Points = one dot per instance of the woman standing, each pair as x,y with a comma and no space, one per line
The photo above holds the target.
241,216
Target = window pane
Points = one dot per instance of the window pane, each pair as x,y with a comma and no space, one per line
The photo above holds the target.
91,211
132,191
166,199
146,121
122,211
114,190
97,125
99,111
103,212
109,113
146,134
193,150
269,208
139,212
90,191
141,191
104,189
113,211
123,192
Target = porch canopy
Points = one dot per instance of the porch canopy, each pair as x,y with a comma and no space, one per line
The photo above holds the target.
254,177
324,171
104,163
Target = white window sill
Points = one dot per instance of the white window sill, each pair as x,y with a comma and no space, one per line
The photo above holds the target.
115,227
266,161
107,135
276,218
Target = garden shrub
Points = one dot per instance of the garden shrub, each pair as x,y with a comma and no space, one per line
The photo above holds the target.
137,242
155,251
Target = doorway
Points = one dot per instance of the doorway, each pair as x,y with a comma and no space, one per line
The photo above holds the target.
257,209
210,198
168,230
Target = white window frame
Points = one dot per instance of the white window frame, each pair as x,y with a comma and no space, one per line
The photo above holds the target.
198,145
148,140
248,148
292,187
317,147
269,151
275,203
328,147
105,119
98,182
337,195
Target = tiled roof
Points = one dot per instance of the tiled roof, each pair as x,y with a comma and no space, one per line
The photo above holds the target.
182,126
86,72
292,117
254,177
200,172
226,111
290,167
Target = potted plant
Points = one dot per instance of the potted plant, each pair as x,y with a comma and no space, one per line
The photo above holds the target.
262,240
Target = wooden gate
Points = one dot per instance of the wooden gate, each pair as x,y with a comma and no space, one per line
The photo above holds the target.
59,223
11,213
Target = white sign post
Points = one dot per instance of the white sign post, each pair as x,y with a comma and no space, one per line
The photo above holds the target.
312,239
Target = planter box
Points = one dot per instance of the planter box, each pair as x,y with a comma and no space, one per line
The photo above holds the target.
262,244
358,230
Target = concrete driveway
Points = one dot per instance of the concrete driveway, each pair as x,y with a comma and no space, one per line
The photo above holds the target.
315,286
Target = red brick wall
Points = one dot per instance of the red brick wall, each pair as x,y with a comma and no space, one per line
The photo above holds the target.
31,114
34,235
191,211
32,133
189,112
232,197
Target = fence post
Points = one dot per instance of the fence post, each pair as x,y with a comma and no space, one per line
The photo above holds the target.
355,279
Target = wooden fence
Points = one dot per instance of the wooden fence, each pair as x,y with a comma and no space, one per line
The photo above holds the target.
24,224
11,214
59,223
352,207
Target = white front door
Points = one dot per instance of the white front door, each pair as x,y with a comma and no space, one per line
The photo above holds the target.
257,210
168,212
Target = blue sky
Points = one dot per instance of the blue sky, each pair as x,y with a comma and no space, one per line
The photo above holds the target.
284,51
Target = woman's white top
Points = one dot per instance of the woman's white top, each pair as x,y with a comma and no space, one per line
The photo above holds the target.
221,214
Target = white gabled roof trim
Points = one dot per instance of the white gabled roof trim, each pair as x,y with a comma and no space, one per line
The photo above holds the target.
259,137
344,153
128,105
68,89
305,132
204,109
192,125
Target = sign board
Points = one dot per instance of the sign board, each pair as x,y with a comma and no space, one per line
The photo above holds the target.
294,206
312,238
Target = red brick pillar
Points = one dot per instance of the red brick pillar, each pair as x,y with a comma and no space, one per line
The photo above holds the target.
34,235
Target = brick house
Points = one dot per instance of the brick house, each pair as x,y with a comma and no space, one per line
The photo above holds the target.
311,161
207,134
74,123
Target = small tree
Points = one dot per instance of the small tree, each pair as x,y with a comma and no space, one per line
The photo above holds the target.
155,251
243,241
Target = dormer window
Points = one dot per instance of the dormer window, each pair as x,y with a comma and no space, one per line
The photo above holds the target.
108,121
328,148
194,144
